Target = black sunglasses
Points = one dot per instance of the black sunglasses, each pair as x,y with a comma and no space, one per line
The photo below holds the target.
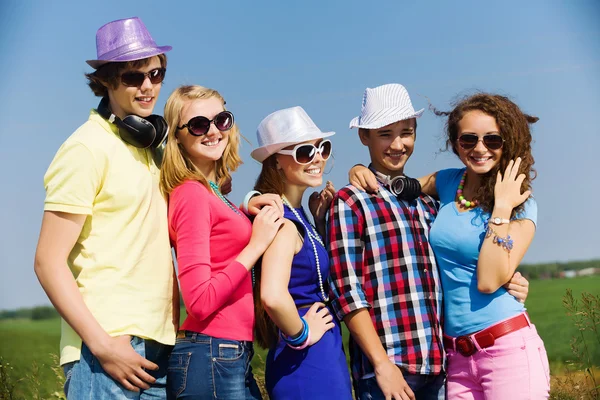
305,153
470,140
200,125
137,78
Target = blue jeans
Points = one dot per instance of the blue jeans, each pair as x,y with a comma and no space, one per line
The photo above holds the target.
205,367
425,387
85,379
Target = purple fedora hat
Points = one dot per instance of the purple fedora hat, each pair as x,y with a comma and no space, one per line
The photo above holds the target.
124,40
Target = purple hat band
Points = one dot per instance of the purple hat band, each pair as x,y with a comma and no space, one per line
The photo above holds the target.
124,40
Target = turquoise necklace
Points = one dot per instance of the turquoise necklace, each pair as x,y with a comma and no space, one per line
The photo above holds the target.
217,191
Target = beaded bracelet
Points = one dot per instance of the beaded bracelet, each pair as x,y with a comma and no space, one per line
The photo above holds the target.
298,340
506,243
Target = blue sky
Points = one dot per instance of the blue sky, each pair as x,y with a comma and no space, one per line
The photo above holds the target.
321,55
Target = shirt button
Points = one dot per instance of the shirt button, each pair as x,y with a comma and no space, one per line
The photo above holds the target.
425,270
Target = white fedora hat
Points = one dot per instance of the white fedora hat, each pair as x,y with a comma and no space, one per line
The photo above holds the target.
284,128
384,105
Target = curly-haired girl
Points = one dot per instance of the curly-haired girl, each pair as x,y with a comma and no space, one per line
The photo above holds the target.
485,224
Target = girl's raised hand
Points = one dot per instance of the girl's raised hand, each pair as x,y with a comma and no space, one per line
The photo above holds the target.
265,227
507,192
319,203
258,202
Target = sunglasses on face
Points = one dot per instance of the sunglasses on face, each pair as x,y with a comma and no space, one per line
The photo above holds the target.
200,125
137,78
305,153
470,140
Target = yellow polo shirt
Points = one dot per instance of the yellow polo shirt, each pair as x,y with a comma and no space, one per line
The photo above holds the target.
122,259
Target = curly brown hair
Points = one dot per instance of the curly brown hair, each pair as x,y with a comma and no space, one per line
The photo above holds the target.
514,128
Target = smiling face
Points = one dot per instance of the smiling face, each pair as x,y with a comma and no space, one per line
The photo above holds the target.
479,159
203,150
391,146
140,100
303,176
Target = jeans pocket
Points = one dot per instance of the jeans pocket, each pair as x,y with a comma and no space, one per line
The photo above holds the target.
230,351
68,371
177,372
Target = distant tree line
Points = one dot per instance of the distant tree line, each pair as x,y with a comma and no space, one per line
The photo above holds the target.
531,271
553,270
35,313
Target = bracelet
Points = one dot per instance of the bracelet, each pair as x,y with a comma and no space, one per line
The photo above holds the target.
249,195
303,345
298,340
506,243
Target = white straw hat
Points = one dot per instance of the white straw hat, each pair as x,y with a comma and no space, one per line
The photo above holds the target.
284,128
385,105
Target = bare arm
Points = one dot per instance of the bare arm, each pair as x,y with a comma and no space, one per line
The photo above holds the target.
58,235
388,375
275,278
428,184
496,264
275,296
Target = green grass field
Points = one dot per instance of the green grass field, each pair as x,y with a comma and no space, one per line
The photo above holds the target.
24,342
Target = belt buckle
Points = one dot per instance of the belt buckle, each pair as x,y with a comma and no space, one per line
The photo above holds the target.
465,346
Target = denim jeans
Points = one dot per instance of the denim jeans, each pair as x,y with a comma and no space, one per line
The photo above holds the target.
205,367
85,379
425,387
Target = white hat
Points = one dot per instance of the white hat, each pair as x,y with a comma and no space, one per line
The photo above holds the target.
385,105
284,128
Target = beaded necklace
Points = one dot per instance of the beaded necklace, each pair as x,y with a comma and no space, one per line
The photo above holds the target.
312,236
461,199
217,191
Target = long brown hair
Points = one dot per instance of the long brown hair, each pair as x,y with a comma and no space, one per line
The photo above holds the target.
514,128
270,180
177,166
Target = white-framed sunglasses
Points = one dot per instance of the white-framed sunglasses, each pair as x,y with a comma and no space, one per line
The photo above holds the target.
305,153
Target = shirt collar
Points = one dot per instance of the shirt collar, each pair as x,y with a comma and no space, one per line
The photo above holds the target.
107,126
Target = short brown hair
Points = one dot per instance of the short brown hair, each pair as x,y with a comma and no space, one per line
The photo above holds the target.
364,131
108,74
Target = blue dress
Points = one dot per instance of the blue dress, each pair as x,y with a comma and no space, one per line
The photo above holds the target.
319,371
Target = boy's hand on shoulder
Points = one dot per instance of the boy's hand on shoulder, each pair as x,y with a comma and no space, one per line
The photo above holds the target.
363,179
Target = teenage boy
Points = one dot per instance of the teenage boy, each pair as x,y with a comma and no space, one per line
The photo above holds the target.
103,255
384,276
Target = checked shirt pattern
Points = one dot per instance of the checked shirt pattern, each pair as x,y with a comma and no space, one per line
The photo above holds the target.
381,260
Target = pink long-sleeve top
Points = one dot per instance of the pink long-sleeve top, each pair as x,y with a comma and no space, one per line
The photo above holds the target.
208,236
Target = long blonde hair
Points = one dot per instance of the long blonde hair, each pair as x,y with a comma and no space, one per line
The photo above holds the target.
177,165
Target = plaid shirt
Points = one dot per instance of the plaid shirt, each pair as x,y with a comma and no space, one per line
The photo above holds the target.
381,260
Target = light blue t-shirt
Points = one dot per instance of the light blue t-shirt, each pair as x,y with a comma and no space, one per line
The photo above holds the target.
456,238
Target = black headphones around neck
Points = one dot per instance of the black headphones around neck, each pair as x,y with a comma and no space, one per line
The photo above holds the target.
143,133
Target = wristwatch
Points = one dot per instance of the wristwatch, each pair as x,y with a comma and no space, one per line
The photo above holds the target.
499,221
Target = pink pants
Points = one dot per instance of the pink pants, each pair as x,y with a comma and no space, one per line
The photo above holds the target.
514,368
